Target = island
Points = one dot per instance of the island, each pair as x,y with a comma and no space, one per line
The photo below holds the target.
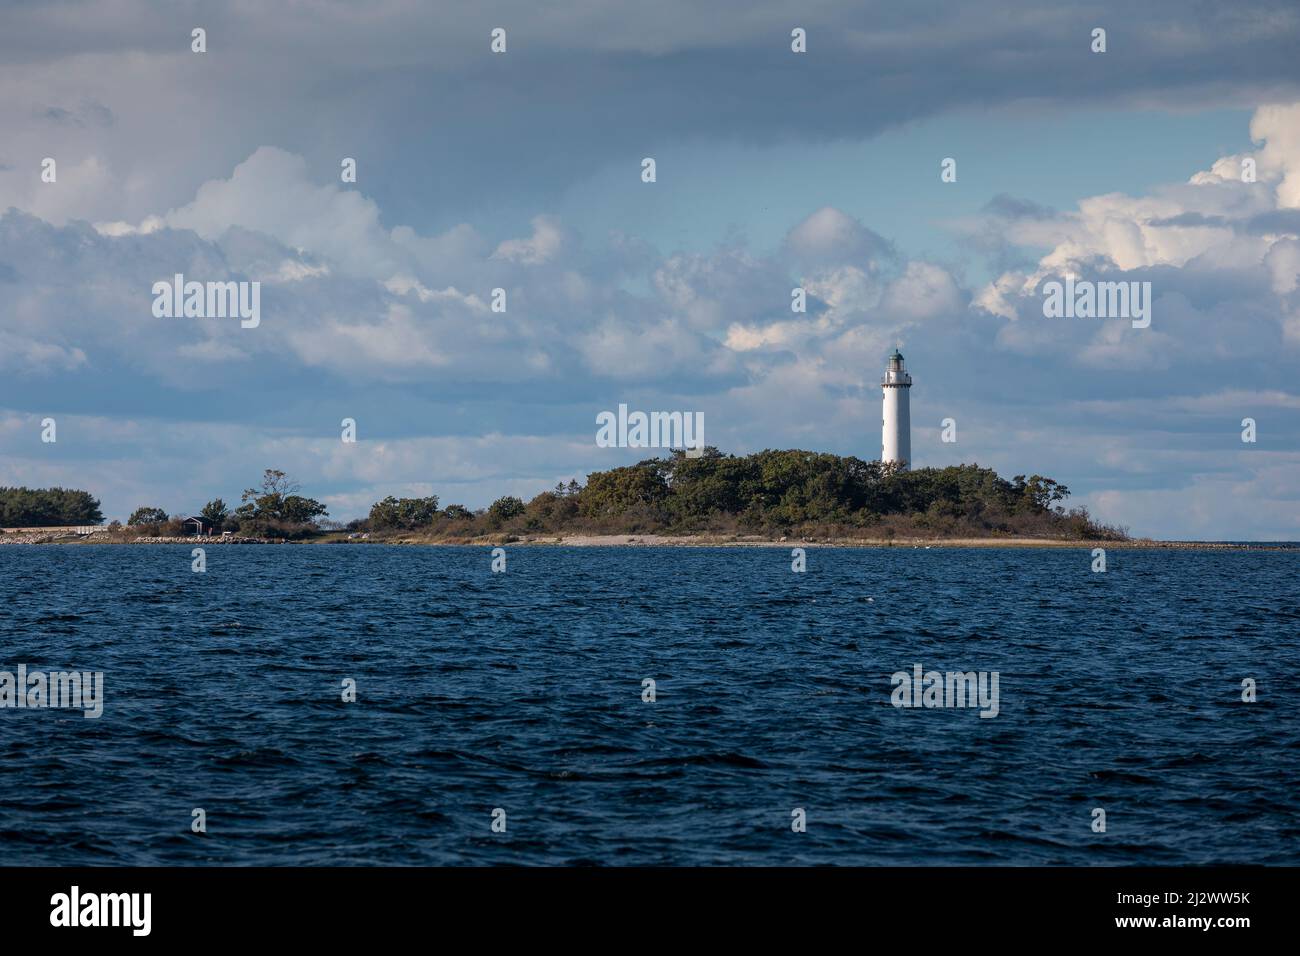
769,497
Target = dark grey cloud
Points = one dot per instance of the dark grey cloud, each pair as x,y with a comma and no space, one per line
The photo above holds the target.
442,124
88,114
1003,206
1188,219
1275,221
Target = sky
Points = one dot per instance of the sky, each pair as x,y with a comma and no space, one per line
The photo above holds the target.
774,169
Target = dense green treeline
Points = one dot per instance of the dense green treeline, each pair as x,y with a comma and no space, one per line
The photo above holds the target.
47,507
768,492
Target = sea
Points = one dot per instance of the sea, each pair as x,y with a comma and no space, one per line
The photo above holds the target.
296,705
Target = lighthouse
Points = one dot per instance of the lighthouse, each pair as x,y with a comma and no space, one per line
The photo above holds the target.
896,415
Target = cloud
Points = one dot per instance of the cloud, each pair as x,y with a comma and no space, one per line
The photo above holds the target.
272,193
1218,251
923,291
21,353
1256,503
542,246
830,237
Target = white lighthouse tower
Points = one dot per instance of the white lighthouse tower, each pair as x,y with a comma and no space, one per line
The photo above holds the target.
896,417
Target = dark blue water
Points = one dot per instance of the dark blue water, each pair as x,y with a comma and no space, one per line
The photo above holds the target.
522,691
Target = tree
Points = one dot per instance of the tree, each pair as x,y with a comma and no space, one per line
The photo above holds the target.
567,491
276,482
147,516
505,508
299,510
404,513
43,507
216,513
1040,493
276,506
458,513
385,513
613,493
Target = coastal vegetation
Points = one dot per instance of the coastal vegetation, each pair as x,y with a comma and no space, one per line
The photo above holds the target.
274,509
771,494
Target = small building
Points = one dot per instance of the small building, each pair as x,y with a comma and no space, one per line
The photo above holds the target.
197,525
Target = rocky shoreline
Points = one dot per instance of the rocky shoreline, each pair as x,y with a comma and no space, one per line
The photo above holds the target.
107,537
757,541
62,536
